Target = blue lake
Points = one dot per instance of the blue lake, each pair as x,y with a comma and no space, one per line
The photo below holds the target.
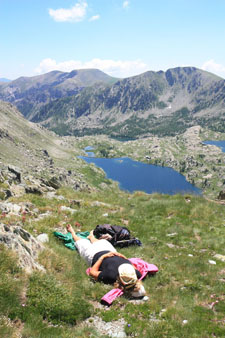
220,144
133,176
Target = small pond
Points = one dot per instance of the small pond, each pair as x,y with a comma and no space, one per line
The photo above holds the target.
133,175
89,153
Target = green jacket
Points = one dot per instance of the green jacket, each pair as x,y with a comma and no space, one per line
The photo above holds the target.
68,238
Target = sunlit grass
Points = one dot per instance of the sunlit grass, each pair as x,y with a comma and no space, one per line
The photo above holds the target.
180,234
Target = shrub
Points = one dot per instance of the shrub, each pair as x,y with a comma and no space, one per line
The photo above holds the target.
54,302
10,288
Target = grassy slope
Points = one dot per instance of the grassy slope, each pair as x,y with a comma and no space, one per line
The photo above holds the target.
24,135
184,288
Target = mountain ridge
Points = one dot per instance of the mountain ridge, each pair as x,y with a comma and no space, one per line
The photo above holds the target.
30,93
147,102
91,102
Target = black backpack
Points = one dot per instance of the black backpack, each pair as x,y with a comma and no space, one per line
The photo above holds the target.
120,236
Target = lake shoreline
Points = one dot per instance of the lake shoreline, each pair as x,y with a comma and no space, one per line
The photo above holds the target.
201,164
138,176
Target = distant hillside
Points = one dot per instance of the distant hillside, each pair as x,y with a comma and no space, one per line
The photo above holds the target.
162,103
30,93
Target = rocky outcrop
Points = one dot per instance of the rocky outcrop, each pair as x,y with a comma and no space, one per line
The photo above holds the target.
24,244
16,171
16,182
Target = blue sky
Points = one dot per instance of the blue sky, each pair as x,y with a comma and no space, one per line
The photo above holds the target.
122,38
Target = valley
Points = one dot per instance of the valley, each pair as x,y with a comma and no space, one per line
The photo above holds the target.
112,128
44,185
44,155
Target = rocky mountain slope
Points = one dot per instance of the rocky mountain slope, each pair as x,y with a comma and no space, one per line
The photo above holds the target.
85,102
33,159
30,93
161,103
40,160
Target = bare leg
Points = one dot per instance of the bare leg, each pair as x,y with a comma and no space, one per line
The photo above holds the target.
70,229
92,238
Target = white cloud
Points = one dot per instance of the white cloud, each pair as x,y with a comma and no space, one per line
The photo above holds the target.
126,4
47,65
94,18
114,68
75,14
213,67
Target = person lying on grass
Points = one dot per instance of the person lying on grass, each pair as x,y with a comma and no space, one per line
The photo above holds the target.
108,265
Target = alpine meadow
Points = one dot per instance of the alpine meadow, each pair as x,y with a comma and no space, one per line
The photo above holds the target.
88,88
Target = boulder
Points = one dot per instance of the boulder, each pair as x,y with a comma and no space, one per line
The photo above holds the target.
75,202
45,152
221,195
43,238
33,189
4,194
10,208
17,190
16,171
64,208
52,182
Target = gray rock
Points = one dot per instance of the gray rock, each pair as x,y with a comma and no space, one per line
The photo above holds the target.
45,152
17,190
16,171
64,208
220,257
54,182
24,234
221,195
24,244
2,179
52,194
100,204
43,238
75,202
5,194
33,189
10,208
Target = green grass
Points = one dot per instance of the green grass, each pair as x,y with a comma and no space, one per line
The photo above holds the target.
12,281
54,302
180,234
